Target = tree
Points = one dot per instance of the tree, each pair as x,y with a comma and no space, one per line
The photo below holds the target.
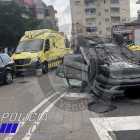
13,25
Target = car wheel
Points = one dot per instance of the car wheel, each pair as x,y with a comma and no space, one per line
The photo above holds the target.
45,68
8,78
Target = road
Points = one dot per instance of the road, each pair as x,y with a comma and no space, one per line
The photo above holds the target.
68,117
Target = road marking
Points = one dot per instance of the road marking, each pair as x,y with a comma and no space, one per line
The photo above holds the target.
103,125
8,137
79,95
37,123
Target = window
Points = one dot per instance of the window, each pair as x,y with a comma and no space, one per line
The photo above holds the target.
106,10
123,10
79,31
30,45
108,29
47,12
0,60
79,22
100,32
123,1
77,2
37,1
40,11
67,43
105,1
78,12
5,59
107,19
123,19
99,14
47,45
98,5
100,23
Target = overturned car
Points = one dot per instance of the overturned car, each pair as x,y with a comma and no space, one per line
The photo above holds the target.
108,66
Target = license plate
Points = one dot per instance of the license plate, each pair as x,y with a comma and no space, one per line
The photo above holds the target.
21,69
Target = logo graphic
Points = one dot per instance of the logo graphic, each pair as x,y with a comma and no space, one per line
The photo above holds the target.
20,62
8,128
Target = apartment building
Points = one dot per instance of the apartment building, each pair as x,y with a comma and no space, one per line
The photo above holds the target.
39,10
96,17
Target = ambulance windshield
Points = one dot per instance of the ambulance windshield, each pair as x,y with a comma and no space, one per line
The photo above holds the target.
30,45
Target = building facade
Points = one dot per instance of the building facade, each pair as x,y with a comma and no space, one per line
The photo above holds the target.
96,17
39,10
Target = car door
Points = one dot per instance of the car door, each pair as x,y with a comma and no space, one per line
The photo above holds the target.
1,69
74,66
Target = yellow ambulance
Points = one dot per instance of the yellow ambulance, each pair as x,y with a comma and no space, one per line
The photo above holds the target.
40,49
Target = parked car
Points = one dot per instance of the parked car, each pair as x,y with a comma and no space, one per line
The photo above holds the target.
7,68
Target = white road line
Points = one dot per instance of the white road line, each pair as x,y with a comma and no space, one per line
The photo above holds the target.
103,125
8,137
37,123
79,95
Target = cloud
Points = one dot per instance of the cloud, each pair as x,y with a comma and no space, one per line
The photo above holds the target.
134,7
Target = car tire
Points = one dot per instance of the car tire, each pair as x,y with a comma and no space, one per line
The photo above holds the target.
8,78
45,68
119,39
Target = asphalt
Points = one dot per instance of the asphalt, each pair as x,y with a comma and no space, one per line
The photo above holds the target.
68,117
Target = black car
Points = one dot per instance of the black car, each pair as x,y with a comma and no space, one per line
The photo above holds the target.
7,67
108,67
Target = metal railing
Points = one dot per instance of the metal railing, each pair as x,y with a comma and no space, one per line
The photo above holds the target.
93,24
115,21
90,4
115,12
115,3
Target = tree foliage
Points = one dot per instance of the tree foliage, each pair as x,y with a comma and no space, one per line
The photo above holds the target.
13,24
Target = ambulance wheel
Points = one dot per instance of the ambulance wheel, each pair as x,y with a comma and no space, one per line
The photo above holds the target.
45,68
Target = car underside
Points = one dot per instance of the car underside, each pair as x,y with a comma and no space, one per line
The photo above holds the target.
109,67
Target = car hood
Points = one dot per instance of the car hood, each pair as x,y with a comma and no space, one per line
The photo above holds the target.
25,55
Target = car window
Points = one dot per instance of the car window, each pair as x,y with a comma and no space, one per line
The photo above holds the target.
0,60
47,45
66,43
5,59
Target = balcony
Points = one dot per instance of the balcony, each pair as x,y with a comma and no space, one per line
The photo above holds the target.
114,4
115,22
92,33
89,24
115,14
90,4
90,15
